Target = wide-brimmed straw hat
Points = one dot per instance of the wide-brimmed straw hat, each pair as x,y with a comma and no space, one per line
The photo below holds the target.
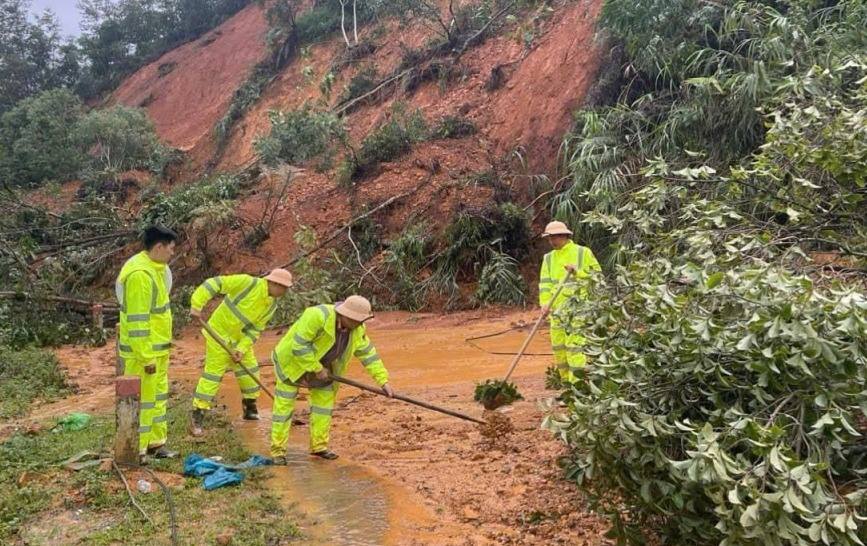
556,228
356,308
281,277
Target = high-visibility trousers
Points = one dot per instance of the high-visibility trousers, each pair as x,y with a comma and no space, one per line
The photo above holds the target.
321,408
217,362
159,426
568,355
147,398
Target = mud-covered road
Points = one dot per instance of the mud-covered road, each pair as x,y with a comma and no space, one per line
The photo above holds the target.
406,475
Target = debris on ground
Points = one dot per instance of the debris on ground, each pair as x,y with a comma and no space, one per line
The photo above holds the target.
73,422
218,474
494,393
497,427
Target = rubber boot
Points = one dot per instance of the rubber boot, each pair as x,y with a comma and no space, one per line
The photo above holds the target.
197,423
251,413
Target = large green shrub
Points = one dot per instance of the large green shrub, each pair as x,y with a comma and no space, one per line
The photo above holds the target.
119,139
725,402
300,135
186,203
36,139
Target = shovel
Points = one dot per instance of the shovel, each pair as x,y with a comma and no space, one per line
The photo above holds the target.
493,394
226,348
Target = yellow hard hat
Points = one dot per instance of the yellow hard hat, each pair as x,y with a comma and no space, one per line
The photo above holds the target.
556,228
356,308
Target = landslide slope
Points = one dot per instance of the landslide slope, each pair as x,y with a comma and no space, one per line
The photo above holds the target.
519,92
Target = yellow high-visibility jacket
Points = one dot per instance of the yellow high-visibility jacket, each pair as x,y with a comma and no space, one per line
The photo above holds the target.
553,271
145,329
244,312
311,336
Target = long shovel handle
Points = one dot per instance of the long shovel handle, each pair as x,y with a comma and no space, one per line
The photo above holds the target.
530,337
406,399
222,343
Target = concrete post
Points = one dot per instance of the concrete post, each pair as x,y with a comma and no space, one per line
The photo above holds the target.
127,407
96,312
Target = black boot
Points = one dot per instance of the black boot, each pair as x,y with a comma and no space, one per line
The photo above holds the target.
197,423
251,413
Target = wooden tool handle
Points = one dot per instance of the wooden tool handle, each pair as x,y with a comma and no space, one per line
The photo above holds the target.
527,341
222,343
406,399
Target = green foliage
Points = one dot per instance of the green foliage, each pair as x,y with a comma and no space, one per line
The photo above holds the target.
27,376
454,127
35,57
705,82
405,258
386,143
475,237
244,97
185,203
495,392
501,282
300,135
362,82
725,393
180,302
119,139
37,142
553,381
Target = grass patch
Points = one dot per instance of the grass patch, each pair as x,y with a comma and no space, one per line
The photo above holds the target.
26,376
248,513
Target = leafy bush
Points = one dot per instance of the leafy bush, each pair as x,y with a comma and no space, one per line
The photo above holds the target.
313,285
454,127
386,143
36,139
501,282
26,376
494,392
300,135
185,203
725,400
404,258
119,139
364,81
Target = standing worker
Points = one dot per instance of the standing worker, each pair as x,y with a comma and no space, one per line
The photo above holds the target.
247,307
320,343
145,333
566,257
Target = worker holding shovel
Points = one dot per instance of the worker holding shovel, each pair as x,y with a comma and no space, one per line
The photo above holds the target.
316,347
247,307
566,258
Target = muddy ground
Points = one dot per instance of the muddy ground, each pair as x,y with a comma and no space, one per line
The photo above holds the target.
406,476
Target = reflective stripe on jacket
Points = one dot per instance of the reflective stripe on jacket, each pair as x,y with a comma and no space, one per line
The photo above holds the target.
142,288
553,271
312,336
244,312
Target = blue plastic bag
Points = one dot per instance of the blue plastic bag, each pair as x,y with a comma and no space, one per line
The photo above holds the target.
219,474
221,478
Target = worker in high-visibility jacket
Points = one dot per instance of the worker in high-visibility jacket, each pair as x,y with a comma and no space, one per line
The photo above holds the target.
144,333
321,342
247,307
566,258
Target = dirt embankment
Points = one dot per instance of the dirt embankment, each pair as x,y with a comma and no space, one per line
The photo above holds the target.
446,484
539,83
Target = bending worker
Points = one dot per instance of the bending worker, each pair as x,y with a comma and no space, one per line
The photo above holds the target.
247,307
320,343
565,258
145,333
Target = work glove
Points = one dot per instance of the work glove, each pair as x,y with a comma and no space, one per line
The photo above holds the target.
151,368
237,356
322,375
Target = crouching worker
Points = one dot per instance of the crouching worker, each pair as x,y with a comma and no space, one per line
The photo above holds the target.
320,343
247,307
